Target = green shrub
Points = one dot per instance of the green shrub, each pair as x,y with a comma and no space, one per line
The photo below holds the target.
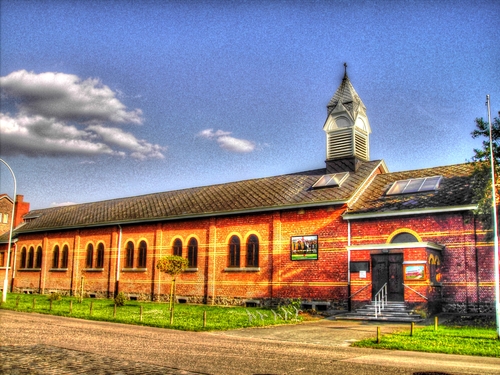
54,297
296,303
120,299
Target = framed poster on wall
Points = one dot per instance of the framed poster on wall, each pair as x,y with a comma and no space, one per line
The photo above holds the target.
415,272
304,247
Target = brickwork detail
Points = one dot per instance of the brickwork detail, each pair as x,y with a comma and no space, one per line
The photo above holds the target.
458,272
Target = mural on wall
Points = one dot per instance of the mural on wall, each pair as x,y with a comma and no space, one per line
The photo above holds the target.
415,272
304,247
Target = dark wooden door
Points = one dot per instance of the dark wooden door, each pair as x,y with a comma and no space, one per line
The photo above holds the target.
388,268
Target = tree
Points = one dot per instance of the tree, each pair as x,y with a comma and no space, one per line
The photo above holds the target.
482,170
173,265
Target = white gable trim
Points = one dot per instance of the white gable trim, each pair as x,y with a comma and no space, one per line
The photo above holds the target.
421,211
402,245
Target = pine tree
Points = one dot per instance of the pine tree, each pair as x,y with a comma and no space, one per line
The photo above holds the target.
482,171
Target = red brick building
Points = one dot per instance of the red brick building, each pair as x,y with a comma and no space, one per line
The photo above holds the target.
333,236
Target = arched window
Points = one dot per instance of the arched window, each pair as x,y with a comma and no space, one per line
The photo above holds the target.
38,257
253,251
234,252
31,257
129,260
177,248
404,237
64,258
23,258
100,256
90,256
143,252
55,257
193,253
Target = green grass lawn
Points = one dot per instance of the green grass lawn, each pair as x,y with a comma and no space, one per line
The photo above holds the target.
154,314
450,340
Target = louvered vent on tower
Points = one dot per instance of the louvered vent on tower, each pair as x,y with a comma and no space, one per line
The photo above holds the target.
340,144
361,145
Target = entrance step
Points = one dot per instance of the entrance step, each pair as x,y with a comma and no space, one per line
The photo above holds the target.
392,312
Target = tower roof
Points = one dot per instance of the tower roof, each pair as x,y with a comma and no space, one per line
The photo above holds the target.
347,97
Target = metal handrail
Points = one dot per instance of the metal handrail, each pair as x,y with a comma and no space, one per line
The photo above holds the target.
363,288
414,291
380,300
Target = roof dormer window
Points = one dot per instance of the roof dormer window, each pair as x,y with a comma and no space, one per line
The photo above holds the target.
331,180
415,185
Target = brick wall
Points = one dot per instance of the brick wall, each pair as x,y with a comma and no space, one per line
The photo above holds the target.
277,277
464,264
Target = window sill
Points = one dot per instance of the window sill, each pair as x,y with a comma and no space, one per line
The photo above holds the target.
134,270
29,269
242,269
194,269
2,268
58,270
93,269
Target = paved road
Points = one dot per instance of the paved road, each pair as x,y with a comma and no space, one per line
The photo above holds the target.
42,344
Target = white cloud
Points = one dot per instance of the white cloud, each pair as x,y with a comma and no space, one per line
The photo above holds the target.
55,204
60,114
140,148
228,142
37,136
235,144
66,97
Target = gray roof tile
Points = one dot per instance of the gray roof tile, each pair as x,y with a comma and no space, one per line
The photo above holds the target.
455,189
257,194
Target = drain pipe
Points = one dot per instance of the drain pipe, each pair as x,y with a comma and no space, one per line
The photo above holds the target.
348,265
13,269
117,282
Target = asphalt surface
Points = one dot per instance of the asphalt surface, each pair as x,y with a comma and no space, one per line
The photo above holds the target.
43,344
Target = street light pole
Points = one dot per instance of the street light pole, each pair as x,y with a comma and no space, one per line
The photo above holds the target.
495,224
6,280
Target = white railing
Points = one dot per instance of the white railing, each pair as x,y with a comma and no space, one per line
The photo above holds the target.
380,300
414,291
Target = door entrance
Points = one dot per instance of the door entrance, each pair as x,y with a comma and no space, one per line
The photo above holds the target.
388,268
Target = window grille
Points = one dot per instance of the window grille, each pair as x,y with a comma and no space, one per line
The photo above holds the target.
142,254
253,251
177,248
55,257
193,253
129,262
90,256
234,252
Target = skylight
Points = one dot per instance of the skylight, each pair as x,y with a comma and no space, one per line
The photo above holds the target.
415,185
331,180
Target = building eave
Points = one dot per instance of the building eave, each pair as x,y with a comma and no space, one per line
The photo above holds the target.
421,211
403,245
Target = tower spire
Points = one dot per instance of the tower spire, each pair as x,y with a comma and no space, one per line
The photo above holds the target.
347,128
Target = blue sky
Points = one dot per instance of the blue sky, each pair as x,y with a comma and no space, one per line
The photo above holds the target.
107,99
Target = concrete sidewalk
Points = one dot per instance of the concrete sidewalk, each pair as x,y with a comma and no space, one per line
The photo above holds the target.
327,332
43,344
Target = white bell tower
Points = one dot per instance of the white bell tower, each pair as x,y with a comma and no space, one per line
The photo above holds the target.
347,129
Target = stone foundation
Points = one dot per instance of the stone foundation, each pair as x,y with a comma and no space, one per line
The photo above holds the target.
469,308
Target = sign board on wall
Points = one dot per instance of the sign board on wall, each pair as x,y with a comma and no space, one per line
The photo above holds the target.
304,247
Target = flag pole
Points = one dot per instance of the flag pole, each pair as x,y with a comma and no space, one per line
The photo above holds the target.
495,224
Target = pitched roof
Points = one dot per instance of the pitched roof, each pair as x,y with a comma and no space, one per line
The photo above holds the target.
348,97
2,196
269,193
455,190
